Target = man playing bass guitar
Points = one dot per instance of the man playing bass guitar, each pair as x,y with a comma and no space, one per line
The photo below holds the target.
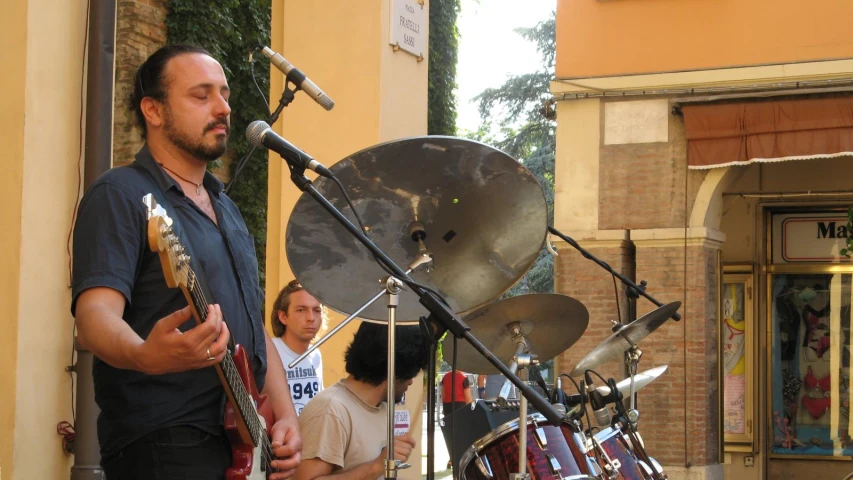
160,397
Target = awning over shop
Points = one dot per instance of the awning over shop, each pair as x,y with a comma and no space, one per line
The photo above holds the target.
720,135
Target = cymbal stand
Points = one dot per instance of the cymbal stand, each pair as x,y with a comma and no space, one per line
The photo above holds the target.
393,287
632,359
520,361
424,258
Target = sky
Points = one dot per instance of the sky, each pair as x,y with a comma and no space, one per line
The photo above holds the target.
490,51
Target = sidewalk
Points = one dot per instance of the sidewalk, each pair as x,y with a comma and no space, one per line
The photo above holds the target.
441,454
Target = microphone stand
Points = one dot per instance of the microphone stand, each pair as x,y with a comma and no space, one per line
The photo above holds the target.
439,312
640,290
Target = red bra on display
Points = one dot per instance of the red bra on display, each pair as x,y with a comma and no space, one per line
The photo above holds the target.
816,400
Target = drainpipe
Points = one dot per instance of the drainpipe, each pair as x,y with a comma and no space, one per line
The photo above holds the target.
97,159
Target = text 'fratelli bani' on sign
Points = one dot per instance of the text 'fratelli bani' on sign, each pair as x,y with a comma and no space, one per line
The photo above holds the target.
408,22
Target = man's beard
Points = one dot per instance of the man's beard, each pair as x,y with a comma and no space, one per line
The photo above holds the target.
196,147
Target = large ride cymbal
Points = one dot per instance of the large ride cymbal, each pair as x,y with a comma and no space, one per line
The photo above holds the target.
483,213
550,323
618,343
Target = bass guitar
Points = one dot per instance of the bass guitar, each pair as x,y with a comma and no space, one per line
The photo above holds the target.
248,416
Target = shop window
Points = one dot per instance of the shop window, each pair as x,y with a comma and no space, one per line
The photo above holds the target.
810,392
737,336
808,303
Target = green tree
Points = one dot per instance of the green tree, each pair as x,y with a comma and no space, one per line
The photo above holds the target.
443,55
526,131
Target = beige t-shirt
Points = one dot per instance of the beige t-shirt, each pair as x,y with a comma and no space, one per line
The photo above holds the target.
339,428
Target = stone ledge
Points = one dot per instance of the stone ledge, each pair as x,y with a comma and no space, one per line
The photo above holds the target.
703,472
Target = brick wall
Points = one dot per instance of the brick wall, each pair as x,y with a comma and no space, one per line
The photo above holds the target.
593,286
642,185
690,383
140,30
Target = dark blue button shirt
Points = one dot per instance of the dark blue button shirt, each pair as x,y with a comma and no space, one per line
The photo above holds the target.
111,250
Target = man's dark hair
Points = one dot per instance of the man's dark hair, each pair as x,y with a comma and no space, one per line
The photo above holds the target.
367,356
151,79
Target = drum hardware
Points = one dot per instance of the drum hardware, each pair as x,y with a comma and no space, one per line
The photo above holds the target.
623,341
484,466
521,361
611,467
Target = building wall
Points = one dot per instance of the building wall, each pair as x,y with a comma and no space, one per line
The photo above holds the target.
13,51
624,191
596,38
43,91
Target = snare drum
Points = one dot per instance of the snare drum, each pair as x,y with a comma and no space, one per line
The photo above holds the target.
552,452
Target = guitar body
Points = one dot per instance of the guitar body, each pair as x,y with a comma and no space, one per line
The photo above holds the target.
246,464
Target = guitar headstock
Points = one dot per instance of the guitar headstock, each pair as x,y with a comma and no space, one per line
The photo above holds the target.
161,239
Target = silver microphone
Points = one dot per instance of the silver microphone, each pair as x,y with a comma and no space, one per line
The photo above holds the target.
298,78
599,406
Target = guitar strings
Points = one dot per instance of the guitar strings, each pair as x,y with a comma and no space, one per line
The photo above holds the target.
266,448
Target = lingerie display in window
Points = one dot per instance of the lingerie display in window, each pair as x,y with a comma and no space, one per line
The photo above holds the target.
810,364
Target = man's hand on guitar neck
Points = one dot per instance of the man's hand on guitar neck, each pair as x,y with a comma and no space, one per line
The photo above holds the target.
168,350
102,331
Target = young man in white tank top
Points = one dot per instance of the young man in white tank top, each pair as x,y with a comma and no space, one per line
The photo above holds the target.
297,319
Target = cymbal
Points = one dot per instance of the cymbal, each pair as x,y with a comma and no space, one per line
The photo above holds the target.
617,344
483,214
624,386
551,323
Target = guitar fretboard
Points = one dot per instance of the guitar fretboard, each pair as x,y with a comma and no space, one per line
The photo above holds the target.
245,405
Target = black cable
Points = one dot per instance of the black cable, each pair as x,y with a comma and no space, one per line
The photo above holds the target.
255,81
351,207
597,375
580,393
616,293
385,268
239,169
245,158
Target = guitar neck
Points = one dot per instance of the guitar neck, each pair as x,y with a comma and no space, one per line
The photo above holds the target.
198,295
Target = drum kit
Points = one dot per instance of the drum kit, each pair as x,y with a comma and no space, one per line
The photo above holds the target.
468,221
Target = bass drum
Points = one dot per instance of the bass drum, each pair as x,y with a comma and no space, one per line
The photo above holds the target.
552,452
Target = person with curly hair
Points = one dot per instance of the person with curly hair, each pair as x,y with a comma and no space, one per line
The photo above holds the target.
344,427
297,319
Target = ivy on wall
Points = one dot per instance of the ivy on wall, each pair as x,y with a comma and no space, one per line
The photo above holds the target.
229,30
443,53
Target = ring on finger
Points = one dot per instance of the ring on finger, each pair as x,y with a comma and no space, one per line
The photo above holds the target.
209,357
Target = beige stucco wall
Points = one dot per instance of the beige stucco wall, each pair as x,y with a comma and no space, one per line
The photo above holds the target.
380,95
576,166
13,52
42,43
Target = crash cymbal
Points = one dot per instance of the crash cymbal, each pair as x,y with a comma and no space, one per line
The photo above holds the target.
624,386
616,344
551,323
483,214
